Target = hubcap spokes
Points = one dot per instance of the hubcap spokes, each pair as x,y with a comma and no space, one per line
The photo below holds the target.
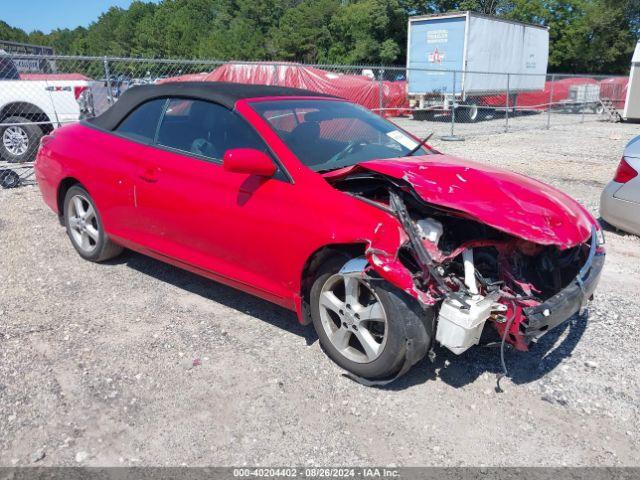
15,140
353,318
83,223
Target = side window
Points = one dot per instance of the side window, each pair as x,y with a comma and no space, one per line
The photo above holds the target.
141,124
8,69
205,128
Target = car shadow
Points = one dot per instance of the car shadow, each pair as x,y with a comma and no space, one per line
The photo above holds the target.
455,370
217,292
523,367
607,227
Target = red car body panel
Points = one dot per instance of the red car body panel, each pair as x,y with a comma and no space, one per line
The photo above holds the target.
513,203
258,234
227,226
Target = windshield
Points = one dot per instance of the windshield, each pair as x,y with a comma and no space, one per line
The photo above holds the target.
327,134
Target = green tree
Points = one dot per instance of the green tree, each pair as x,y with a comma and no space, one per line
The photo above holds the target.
11,34
303,31
360,29
241,39
595,36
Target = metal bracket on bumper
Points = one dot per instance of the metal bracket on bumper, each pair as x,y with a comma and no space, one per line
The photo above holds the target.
568,301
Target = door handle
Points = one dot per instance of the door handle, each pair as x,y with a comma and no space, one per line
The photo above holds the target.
150,174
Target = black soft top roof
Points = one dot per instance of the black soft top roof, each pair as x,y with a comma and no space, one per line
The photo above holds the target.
223,93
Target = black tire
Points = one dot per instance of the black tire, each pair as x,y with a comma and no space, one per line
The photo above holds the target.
405,319
423,115
9,179
102,247
471,112
468,112
31,133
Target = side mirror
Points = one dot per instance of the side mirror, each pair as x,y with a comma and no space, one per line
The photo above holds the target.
248,160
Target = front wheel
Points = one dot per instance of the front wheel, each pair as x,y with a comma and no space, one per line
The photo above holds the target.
364,326
85,228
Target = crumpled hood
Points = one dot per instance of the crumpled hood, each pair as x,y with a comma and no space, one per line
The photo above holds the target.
507,201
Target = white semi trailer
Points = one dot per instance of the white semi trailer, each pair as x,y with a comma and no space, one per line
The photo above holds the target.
632,103
461,59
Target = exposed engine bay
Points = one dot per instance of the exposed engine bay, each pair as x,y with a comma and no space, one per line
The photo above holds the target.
470,272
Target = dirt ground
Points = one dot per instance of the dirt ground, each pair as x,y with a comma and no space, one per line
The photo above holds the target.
97,361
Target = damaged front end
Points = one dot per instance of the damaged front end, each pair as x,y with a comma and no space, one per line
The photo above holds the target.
469,270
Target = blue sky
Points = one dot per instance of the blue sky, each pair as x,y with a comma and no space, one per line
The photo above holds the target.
47,15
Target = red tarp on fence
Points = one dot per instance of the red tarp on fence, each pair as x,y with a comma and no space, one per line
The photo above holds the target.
359,89
553,92
366,91
615,89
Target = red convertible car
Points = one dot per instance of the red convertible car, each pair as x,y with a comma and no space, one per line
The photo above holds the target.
386,245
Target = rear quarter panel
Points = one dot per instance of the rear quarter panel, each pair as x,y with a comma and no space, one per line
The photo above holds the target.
96,160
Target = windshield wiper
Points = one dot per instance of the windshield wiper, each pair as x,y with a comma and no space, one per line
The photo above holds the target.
417,147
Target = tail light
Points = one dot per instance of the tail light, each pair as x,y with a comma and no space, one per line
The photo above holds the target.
77,91
625,172
45,140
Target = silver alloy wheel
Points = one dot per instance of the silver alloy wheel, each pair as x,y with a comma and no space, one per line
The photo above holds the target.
83,223
353,318
15,140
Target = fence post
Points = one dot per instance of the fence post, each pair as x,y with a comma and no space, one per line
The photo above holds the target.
550,105
381,92
452,137
506,112
453,104
584,103
107,76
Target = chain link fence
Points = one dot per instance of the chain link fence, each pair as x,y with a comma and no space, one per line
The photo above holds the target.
67,89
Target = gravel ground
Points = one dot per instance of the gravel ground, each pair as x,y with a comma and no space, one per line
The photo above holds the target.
138,363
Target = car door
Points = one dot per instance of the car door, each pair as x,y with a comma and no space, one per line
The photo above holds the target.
192,210
124,156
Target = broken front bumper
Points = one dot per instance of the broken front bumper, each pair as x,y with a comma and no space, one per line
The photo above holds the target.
567,302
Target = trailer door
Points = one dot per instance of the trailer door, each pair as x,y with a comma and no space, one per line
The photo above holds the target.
435,46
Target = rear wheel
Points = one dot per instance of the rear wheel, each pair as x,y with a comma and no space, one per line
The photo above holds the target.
470,112
364,326
19,139
85,228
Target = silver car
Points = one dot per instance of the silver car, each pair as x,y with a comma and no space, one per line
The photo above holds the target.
620,200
